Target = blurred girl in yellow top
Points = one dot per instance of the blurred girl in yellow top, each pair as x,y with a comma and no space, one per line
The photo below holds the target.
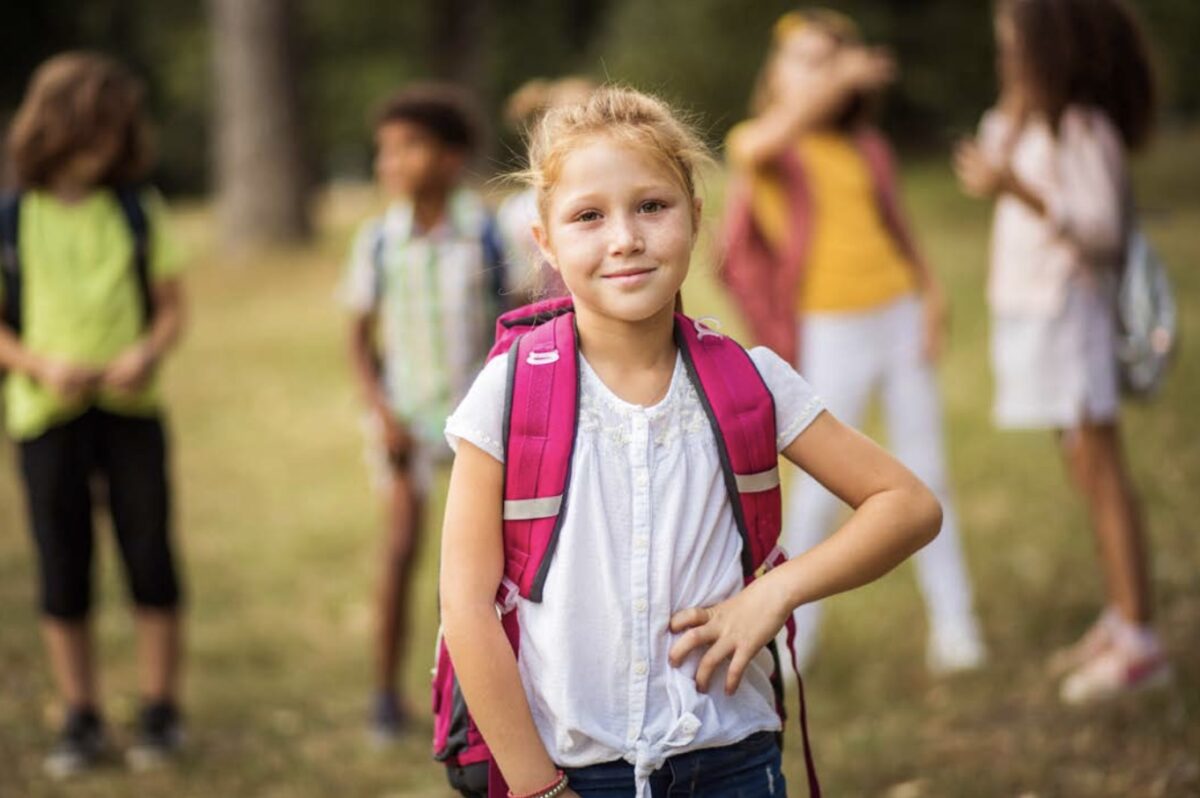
93,304
821,260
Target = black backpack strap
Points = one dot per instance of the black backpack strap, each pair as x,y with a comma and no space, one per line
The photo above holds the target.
10,261
139,225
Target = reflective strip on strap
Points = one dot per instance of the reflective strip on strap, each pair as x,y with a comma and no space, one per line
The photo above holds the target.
527,509
757,483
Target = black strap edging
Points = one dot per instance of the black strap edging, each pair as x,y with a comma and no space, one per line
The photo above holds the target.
10,261
539,579
727,472
536,319
139,225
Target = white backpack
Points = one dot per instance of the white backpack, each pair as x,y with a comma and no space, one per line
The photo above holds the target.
1146,319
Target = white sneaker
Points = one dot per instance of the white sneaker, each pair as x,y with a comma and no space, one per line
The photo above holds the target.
955,650
1113,673
1095,641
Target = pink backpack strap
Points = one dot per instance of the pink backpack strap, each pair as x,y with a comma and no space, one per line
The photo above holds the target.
764,278
541,421
882,166
814,784
741,410
541,408
516,322
541,412
742,413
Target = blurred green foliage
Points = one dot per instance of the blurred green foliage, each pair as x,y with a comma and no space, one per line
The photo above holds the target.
703,54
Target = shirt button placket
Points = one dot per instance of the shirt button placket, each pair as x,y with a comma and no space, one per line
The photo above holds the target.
639,593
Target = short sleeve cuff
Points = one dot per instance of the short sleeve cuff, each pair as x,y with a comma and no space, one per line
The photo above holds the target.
479,418
457,430
357,292
354,299
807,415
796,403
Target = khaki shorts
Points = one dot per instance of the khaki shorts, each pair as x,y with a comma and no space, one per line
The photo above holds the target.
427,455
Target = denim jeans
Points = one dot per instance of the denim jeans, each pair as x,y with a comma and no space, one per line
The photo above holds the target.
748,769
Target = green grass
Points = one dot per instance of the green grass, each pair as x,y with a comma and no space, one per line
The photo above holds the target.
280,531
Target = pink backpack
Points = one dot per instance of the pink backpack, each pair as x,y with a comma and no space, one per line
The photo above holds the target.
541,413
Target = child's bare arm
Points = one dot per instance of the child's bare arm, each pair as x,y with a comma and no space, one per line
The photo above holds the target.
935,311
14,356
170,317
894,516
472,568
365,360
809,99
981,178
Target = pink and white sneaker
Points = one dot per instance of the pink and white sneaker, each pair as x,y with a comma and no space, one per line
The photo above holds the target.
1095,641
1133,661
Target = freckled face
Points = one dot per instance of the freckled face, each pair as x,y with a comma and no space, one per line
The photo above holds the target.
620,230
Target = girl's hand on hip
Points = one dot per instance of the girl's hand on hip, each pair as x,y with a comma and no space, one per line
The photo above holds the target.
734,630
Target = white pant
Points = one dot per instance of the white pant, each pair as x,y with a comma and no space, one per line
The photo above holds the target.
847,358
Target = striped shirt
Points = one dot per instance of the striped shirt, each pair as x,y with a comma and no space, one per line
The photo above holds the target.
436,293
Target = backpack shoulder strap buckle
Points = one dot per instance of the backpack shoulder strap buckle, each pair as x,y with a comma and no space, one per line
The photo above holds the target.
776,558
706,327
506,596
542,358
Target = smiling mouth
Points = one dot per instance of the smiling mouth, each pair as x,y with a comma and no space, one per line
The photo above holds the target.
628,273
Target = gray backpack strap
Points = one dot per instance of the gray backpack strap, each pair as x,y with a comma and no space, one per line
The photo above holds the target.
378,247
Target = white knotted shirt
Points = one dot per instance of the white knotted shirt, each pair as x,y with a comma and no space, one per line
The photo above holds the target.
649,531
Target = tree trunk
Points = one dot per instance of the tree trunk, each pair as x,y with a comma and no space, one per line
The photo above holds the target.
457,41
261,176
457,53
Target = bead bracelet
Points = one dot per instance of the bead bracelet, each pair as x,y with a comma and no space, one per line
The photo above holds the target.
551,790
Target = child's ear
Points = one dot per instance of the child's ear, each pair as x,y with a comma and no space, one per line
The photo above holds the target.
542,239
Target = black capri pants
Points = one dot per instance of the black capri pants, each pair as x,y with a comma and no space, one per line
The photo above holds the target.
64,470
